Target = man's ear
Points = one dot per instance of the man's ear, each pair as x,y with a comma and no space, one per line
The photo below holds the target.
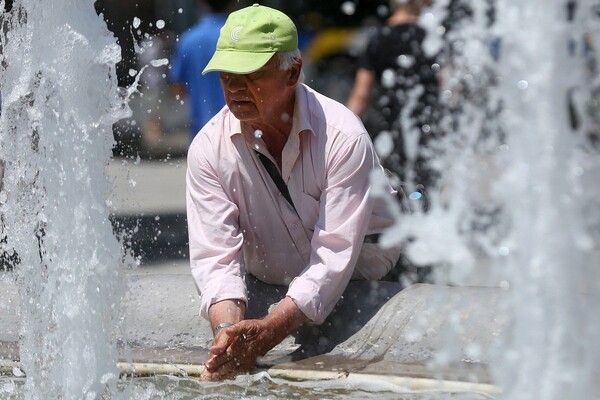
295,72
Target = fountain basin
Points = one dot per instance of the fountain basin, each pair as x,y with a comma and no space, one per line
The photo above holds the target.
378,333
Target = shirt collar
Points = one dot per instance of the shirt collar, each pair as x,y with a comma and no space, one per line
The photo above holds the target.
301,122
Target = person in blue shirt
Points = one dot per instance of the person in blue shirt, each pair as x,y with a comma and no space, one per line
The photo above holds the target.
195,48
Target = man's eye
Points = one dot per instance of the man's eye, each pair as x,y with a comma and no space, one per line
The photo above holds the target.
254,75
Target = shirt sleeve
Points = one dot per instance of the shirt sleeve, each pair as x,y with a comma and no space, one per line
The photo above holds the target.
345,210
214,233
369,56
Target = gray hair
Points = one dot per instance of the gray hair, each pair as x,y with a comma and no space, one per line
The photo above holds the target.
288,58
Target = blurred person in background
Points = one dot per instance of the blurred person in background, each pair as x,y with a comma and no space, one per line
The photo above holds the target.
278,190
396,92
195,48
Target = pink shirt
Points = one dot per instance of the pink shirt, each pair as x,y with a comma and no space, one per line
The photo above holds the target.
239,222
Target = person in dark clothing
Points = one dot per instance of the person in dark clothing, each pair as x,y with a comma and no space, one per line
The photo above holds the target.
396,93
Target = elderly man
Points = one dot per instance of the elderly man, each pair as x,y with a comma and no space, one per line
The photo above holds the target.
277,187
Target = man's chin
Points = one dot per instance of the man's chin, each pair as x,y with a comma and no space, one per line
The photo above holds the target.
244,113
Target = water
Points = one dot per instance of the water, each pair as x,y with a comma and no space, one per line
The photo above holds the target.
255,387
59,101
520,172
518,209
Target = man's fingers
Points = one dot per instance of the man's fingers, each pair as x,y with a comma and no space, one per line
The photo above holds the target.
216,361
234,354
222,342
243,329
233,350
228,371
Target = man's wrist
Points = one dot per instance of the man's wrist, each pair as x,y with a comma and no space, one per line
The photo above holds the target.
221,326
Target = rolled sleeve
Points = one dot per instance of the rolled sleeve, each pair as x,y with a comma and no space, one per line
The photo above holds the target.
217,287
306,295
214,234
345,209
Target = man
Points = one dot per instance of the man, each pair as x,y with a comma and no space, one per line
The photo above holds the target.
240,221
194,49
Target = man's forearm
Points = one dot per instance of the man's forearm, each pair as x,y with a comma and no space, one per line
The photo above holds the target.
229,310
284,319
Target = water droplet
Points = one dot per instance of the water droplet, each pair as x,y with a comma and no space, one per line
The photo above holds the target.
258,133
132,72
384,144
388,78
136,22
160,62
405,61
415,196
180,11
522,84
348,7
504,251
160,24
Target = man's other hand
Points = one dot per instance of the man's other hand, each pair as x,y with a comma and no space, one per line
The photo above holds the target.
236,348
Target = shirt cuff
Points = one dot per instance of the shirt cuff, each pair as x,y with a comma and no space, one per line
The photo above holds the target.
307,297
214,292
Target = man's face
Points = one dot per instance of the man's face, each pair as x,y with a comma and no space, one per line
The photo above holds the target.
258,96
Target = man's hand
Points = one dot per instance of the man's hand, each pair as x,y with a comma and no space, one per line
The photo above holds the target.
236,348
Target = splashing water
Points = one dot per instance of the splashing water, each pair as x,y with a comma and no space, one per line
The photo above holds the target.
520,187
59,101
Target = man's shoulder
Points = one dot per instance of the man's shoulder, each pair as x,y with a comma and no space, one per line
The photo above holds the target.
215,130
335,116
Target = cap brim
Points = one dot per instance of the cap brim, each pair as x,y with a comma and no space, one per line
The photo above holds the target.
237,62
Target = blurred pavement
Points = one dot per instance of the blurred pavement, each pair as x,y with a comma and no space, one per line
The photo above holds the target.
147,186
148,207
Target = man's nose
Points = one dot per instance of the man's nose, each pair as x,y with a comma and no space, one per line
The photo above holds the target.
236,83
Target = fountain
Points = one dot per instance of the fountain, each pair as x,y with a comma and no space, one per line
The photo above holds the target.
518,208
521,171
59,101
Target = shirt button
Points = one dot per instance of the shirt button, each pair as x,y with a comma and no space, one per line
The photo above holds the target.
294,226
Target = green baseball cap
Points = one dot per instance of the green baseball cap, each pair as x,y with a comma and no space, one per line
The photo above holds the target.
249,39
